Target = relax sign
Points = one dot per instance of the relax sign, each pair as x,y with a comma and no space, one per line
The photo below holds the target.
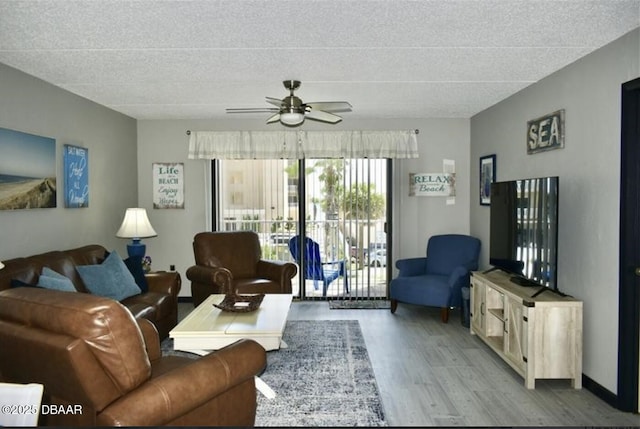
432,184
546,133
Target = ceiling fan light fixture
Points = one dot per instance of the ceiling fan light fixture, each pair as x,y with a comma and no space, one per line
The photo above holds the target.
292,112
291,118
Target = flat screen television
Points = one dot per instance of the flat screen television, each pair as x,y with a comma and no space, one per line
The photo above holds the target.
524,230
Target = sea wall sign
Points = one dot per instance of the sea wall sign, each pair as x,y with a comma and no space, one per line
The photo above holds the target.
76,176
546,133
168,185
432,184
27,171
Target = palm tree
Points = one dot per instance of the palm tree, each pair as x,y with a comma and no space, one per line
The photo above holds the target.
362,202
332,172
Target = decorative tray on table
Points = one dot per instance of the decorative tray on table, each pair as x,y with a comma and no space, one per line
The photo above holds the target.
240,303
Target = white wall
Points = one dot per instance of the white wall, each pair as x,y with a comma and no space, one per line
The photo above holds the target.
416,218
589,170
33,106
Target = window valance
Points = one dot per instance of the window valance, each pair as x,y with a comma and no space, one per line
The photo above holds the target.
302,144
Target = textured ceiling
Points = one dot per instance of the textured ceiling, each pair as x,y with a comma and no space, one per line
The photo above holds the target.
388,58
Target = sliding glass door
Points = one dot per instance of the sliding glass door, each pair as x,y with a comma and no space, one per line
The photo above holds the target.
335,209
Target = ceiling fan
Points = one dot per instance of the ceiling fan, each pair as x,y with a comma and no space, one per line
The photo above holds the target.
291,111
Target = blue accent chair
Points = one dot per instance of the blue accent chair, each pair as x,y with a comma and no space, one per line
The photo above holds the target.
314,269
437,279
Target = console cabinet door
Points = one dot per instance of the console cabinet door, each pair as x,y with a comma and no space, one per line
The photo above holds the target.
478,307
515,338
539,337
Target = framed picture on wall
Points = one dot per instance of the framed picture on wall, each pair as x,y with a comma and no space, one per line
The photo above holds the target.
168,185
27,171
76,176
487,177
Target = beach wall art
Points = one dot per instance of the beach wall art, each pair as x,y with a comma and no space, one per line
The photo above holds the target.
27,171
168,185
76,176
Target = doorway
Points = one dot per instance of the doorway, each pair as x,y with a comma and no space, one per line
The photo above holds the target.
629,270
340,204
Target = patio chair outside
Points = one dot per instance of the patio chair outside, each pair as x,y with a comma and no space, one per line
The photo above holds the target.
314,268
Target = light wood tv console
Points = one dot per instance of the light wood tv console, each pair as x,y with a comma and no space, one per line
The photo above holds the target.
539,337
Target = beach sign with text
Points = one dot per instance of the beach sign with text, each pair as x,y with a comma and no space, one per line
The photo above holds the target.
546,133
432,184
76,176
168,185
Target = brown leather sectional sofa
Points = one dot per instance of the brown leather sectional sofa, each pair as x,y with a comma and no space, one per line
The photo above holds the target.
159,305
99,367
102,365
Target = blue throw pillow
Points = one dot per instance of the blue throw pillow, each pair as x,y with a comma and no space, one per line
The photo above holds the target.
134,264
110,279
50,279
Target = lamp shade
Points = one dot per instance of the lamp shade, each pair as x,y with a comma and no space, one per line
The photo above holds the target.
136,224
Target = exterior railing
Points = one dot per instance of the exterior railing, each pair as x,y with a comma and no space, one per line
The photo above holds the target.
366,261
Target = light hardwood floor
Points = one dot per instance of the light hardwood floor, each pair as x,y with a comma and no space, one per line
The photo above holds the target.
435,374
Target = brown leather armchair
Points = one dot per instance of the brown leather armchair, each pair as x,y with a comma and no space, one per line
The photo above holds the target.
232,261
101,368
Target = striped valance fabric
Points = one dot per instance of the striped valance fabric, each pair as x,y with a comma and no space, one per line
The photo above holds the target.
302,144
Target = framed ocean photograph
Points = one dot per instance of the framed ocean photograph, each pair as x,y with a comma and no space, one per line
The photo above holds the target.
27,171
76,176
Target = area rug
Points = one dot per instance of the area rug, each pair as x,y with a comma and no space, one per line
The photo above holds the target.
166,347
356,304
323,378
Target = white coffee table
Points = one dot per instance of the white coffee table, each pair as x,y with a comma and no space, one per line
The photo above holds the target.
208,328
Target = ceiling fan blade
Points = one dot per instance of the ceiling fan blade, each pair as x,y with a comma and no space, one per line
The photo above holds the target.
275,101
253,110
330,106
320,115
274,118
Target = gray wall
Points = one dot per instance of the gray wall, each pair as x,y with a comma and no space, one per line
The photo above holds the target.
589,170
416,218
30,105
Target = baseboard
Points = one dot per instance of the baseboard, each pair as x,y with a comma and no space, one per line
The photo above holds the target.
600,391
186,299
